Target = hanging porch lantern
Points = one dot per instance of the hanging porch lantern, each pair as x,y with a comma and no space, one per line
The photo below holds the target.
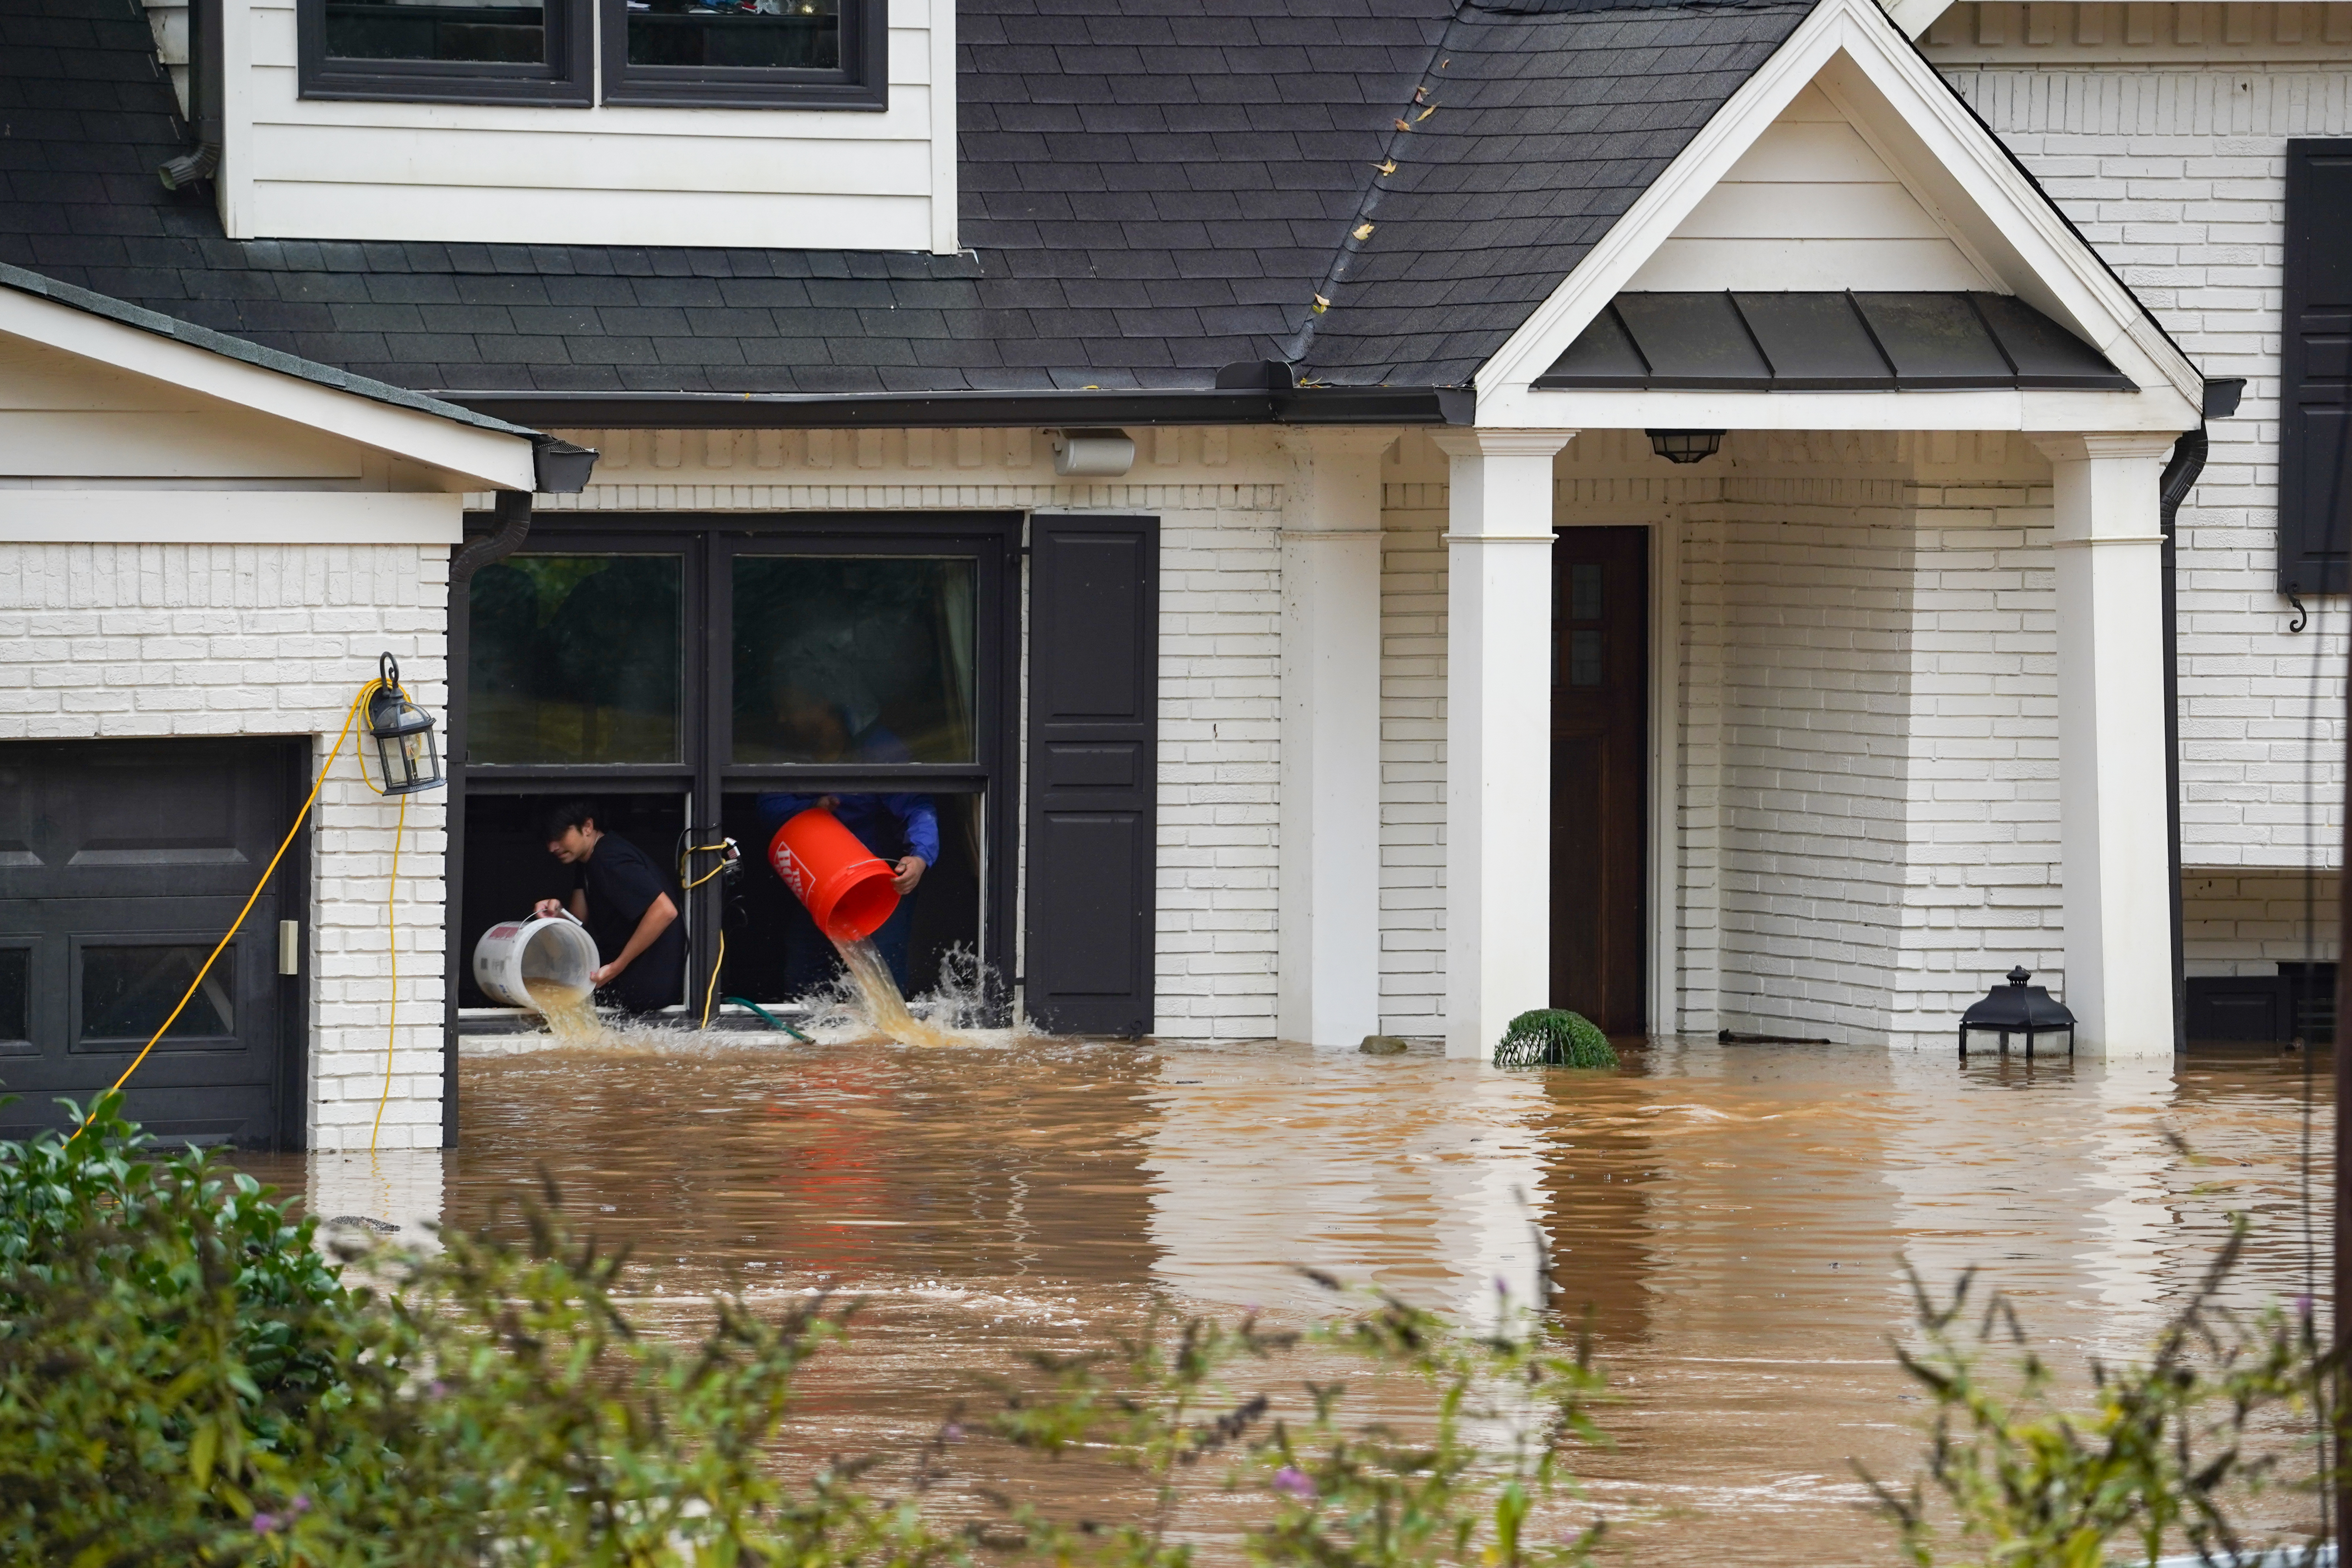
407,758
1685,445
2018,1008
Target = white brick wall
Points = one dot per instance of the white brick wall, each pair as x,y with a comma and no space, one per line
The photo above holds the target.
1863,754
2174,170
2245,920
1220,497
160,640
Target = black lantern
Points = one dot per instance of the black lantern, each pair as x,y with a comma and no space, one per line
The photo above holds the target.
2018,1008
408,760
1685,445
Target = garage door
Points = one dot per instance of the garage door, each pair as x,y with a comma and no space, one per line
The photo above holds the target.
120,864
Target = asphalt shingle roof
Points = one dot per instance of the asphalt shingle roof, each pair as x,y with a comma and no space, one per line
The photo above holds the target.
1150,189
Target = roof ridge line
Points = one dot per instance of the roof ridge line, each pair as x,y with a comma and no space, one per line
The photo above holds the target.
1359,226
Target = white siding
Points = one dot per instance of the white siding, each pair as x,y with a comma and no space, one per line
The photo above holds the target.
1810,206
787,178
2176,172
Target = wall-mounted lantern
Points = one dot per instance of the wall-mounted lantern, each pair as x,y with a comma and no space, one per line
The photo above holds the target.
407,758
1685,445
2018,1008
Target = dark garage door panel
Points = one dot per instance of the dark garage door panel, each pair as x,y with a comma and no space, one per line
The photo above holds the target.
121,865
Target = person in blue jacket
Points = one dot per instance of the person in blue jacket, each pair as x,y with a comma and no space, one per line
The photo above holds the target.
901,829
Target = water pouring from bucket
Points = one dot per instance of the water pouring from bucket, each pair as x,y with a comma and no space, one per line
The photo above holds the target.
850,892
545,965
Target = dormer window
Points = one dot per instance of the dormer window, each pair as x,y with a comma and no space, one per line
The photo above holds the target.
737,53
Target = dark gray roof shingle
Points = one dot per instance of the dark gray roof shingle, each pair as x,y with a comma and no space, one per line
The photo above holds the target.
1151,190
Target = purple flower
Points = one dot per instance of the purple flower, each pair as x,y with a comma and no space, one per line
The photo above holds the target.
263,1523
2303,1306
1290,1478
302,1504
952,1432
437,1388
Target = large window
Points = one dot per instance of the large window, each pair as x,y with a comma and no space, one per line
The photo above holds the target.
752,54
698,679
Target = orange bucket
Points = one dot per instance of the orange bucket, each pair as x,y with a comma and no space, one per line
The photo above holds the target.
848,890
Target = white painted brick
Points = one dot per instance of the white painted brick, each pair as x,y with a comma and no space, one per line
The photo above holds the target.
232,654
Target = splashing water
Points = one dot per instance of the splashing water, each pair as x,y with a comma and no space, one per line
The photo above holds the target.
884,1007
570,1015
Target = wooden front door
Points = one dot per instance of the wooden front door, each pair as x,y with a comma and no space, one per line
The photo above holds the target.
1599,774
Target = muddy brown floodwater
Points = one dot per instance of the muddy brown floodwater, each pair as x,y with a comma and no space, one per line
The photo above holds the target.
1736,1216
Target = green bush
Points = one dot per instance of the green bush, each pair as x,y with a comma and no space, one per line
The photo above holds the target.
2170,1446
1551,1037
185,1380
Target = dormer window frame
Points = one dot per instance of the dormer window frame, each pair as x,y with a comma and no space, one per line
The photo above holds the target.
564,80
573,77
862,81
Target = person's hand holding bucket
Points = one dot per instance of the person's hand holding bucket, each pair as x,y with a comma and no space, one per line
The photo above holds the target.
849,889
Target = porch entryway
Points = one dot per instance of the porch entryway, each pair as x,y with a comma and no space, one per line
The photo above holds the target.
1599,774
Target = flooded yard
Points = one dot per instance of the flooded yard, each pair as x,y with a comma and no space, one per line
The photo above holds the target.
1737,1217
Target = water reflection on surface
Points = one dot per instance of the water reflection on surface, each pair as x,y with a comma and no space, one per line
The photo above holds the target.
1737,1217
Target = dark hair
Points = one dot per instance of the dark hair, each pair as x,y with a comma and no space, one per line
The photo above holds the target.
572,814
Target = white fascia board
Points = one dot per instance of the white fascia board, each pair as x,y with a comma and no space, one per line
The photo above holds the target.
472,458
1990,409
2036,248
1916,16
231,517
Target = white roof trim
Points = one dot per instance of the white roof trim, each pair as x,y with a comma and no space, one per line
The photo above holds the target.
1858,56
473,457
1916,16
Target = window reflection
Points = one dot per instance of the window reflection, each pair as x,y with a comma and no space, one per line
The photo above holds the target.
419,30
864,659
15,994
788,33
127,992
575,658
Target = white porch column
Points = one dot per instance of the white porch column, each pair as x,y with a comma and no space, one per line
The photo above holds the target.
2111,764
1327,904
1499,659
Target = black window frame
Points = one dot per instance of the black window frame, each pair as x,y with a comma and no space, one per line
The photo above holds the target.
566,80
861,82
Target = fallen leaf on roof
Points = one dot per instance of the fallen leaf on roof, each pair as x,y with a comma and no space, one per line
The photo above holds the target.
1385,166
1421,95
1425,113
1364,231
1322,304
1403,126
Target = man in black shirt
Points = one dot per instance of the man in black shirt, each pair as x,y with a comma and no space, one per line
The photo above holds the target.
622,898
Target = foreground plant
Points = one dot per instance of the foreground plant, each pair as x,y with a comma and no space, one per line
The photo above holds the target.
185,1380
1494,1417
2170,1447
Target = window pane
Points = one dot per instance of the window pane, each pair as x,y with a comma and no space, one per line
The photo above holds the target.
866,658
15,994
1584,658
419,30
127,992
575,658
1584,591
803,34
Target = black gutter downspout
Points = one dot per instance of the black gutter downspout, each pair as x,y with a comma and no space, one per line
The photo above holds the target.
512,511
2179,476
206,123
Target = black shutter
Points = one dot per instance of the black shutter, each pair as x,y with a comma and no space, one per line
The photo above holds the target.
1094,690
2315,380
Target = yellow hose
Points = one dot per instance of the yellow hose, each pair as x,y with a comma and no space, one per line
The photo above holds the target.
351,716
711,992
392,951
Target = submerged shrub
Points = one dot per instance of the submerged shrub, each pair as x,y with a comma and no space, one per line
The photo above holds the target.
1552,1037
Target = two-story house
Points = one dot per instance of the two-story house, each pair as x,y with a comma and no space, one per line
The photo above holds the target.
1368,515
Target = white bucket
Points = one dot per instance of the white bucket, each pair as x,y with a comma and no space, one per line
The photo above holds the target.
560,950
